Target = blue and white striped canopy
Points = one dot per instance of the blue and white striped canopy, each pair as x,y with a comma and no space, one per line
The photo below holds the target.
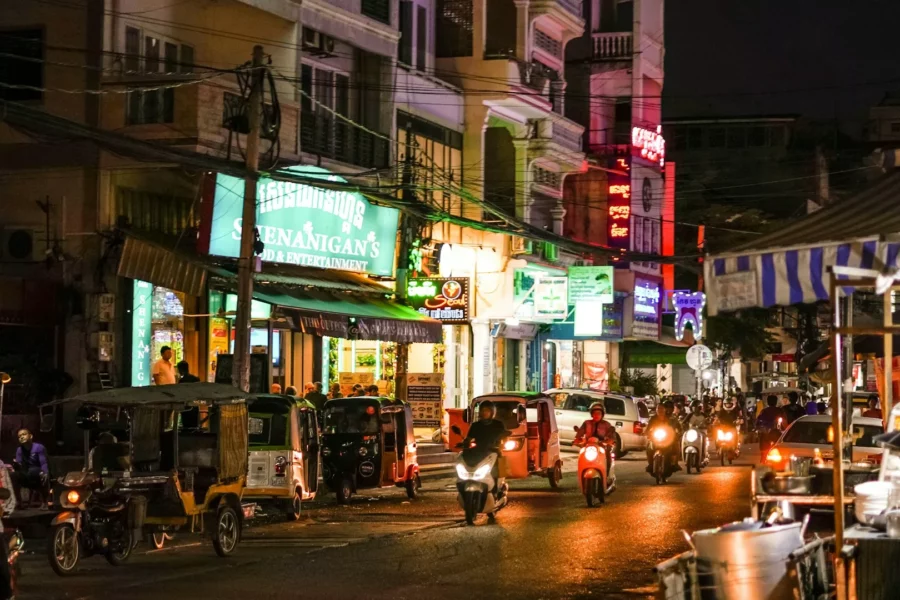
791,266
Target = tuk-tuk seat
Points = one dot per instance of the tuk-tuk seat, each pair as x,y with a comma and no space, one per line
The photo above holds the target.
111,457
197,449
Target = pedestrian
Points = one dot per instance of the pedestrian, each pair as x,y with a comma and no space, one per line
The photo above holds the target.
335,391
31,467
372,390
793,410
163,372
821,408
315,396
873,412
275,389
290,391
184,373
811,406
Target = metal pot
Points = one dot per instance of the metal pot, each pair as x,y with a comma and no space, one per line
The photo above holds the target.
777,486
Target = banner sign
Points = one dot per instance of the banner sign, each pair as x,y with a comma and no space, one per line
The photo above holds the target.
618,219
424,397
688,309
141,330
649,145
591,283
551,299
646,308
307,225
445,299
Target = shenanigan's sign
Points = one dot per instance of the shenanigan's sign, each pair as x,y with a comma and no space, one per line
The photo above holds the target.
307,225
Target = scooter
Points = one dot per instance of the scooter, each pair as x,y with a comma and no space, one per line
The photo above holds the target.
479,492
768,437
694,449
728,443
593,478
660,439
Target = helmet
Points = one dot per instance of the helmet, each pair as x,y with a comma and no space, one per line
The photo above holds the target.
488,405
597,406
728,404
696,406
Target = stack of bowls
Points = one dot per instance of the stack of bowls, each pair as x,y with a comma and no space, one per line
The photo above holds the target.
871,500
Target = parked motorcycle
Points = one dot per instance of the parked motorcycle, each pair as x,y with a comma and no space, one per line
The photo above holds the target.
479,491
596,483
728,443
659,443
695,449
16,545
95,520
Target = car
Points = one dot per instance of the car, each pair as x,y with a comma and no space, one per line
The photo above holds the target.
629,416
811,436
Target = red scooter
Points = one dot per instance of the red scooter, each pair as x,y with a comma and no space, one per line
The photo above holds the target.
596,483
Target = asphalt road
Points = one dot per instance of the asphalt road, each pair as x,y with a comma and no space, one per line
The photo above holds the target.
545,544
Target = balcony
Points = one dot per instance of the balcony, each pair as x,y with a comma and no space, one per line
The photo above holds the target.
328,137
616,45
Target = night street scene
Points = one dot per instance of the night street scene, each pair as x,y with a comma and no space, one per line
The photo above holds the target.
449,299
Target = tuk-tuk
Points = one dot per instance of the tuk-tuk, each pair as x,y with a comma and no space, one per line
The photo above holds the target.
532,447
368,442
284,452
158,459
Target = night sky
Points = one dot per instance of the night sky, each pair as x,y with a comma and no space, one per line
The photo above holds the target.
757,49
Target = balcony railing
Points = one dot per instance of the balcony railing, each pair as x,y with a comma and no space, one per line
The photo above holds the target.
329,137
613,46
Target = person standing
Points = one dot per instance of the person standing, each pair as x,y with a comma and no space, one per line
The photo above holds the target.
793,410
335,391
316,397
163,370
184,373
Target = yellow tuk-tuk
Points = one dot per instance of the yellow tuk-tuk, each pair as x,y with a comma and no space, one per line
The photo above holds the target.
172,457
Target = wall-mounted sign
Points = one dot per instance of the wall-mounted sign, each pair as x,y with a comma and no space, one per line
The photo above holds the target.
307,225
445,299
591,283
736,291
141,330
424,396
589,318
649,145
646,308
699,357
618,218
688,309
551,298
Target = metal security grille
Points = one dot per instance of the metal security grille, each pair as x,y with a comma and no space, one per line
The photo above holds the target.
454,28
546,43
380,10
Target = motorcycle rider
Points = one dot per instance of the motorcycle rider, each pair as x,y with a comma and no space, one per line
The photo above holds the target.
596,427
488,433
697,419
767,423
662,419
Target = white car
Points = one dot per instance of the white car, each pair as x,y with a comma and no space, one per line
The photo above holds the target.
811,436
629,416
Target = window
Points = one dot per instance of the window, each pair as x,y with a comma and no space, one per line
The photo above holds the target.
406,32
15,71
642,410
638,224
648,235
756,136
132,49
737,137
187,59
716,137
171,57
150,106
151,54
158,55
776,136
614,406
895,127
547,43
380,10
559,400
454,28
579,402
421,37
439,150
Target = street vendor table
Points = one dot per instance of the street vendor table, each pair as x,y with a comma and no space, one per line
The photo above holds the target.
872,560
822,489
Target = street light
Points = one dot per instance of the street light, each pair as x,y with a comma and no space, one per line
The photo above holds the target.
4,379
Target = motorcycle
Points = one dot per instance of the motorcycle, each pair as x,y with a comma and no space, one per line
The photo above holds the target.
595,482
768,436
94,520
479,492
660,440
16,544
694,449
728,443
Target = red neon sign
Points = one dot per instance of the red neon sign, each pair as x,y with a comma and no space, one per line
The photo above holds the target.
618,232
649,145
623,190
619,212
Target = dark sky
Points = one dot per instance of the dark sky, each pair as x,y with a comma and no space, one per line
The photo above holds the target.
757,49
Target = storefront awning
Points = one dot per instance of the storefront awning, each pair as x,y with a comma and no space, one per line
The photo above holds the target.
148,261
650,354
323,313
790,266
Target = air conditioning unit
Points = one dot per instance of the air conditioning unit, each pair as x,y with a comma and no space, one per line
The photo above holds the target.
18,244
520,246
316,43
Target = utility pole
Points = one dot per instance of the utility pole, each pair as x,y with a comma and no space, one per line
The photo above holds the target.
240,376
409,197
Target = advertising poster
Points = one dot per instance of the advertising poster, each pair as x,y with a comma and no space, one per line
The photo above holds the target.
141,328
445,299
424,397
591,283
646,308
551,299
348,380
218,344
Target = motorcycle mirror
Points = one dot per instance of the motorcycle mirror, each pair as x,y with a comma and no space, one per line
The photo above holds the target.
521,414
455,429
466,418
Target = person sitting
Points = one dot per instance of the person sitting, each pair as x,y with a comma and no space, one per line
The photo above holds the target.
184,373
873,412
662,419
487,433
697,420
596,427
31,469
109,455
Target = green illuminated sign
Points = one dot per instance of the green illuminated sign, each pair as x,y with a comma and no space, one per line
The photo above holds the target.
445,299
141,330
421,288
307,225
591,283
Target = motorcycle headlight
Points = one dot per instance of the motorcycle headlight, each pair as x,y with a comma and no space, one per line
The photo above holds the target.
363,451
659,435
462,472
727,436
481,472
591,453
73,497
720,435
691,435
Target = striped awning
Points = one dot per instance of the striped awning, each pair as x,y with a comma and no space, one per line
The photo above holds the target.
791,266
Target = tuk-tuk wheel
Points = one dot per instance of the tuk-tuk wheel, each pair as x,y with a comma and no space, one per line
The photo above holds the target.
228,531
555,475
412,486
296,506
344,491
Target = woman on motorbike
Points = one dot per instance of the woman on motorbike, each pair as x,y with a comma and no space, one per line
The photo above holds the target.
662,419
596,427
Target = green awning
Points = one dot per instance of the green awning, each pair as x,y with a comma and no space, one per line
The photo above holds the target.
650,354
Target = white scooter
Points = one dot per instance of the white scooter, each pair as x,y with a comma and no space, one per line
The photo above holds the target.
479,492
695,449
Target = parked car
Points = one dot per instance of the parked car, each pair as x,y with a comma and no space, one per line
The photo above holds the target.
629,416
812,436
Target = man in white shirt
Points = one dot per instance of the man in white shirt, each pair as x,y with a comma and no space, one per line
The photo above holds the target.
163,370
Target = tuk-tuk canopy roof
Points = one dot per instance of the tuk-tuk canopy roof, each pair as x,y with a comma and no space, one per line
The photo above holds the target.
526,396
281,399
161,395
367,400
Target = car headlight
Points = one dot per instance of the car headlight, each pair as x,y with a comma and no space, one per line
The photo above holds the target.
363,451
591,453
691,435
326,451
482,472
